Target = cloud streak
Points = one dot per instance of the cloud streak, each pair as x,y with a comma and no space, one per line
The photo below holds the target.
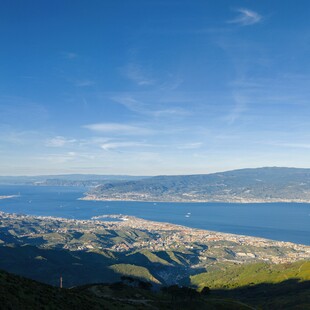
246,17
120,129
59,141
118,145
85,83
293,145
190,146
69,55
240,106
154,110
135,73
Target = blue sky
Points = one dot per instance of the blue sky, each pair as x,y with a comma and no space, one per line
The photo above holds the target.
153,87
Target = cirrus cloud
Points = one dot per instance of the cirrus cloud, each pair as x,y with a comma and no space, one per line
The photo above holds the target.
246,17
59,141
118,128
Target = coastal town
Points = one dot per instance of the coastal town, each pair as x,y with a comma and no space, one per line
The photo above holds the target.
187,197
127,234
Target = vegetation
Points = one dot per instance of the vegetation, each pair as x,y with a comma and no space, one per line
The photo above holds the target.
204,270
21,293
246,185
233,276
95,251
134,271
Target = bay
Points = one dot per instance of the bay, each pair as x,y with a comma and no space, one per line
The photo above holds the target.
277,221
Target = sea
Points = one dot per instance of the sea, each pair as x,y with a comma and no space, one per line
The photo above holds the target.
277,221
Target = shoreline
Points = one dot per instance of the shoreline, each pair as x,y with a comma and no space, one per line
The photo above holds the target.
239,201
123,219
171,237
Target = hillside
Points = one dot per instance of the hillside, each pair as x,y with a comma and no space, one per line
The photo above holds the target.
283,286
21,293
246,185
232,276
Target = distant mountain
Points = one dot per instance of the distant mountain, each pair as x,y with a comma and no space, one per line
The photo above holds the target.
66,179
271,184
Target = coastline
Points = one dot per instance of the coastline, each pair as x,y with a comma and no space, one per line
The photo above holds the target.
237,200
169,237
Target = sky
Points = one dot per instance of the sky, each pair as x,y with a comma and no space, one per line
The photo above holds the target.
153,87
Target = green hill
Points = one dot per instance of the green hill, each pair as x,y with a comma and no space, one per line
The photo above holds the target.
134,271
20,293
232,276
283,286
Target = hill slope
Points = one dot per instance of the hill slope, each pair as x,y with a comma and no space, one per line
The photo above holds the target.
21,293
233,276
246,185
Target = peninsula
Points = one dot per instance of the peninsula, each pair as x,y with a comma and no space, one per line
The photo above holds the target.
260,185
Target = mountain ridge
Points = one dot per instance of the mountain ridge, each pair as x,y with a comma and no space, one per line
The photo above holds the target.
267,184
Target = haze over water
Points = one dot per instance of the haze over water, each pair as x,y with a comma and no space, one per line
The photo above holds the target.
278,221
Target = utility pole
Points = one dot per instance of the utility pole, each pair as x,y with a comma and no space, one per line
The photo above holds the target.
60,281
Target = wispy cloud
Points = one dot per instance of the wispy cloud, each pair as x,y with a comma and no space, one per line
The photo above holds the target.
190,146
136,74
240,106
172,83
246,17
130,103
118,128
59,141
119,145
12,136
292,145
84,83
60,158
69,55
16,109
155,110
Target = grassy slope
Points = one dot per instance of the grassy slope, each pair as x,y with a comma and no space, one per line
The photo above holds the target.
233,276
284,286
152,258
20,293
46,265
134,271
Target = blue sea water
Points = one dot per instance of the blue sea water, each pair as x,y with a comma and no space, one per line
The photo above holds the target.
278,221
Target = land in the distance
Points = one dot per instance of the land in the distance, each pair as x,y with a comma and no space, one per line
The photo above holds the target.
257,185
81,180
239,186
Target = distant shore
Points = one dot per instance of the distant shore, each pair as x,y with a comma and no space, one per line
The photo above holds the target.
180,200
